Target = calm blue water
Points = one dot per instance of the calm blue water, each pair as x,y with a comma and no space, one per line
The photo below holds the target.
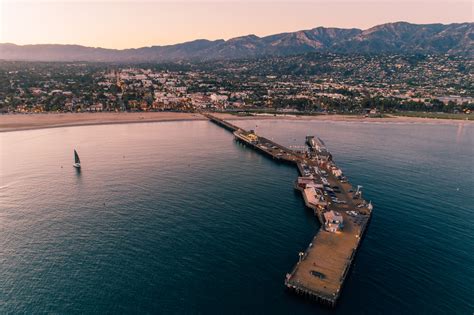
178,218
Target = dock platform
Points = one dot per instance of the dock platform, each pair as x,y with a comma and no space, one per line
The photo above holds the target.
322,268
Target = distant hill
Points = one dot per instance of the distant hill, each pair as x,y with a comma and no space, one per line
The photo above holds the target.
400,37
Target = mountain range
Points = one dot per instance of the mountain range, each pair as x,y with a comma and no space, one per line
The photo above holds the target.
399,37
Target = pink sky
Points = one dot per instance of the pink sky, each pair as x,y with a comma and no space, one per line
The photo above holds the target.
131,24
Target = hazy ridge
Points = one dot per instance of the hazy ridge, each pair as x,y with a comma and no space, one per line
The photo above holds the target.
399,37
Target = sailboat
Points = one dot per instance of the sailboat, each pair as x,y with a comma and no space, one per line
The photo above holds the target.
77,162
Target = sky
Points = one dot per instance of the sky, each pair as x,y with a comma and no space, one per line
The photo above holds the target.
132,24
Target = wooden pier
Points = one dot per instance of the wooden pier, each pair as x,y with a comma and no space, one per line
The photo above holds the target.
224,124
322,268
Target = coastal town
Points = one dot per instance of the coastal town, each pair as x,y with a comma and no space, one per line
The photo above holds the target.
256,157
311,83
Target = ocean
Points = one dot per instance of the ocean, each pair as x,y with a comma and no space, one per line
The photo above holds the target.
177,217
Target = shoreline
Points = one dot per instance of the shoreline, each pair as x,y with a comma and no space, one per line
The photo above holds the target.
346,118
23,122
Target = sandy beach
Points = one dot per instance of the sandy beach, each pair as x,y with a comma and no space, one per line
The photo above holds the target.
346,118
14,122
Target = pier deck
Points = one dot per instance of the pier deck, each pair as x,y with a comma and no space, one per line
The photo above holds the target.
322,268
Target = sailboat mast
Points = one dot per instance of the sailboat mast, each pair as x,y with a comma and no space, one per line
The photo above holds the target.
76,157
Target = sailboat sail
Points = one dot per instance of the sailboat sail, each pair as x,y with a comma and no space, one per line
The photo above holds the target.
76,157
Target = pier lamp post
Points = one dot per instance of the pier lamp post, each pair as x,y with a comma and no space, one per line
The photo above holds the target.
301,254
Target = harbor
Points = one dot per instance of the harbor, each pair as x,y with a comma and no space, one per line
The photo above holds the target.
321,269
